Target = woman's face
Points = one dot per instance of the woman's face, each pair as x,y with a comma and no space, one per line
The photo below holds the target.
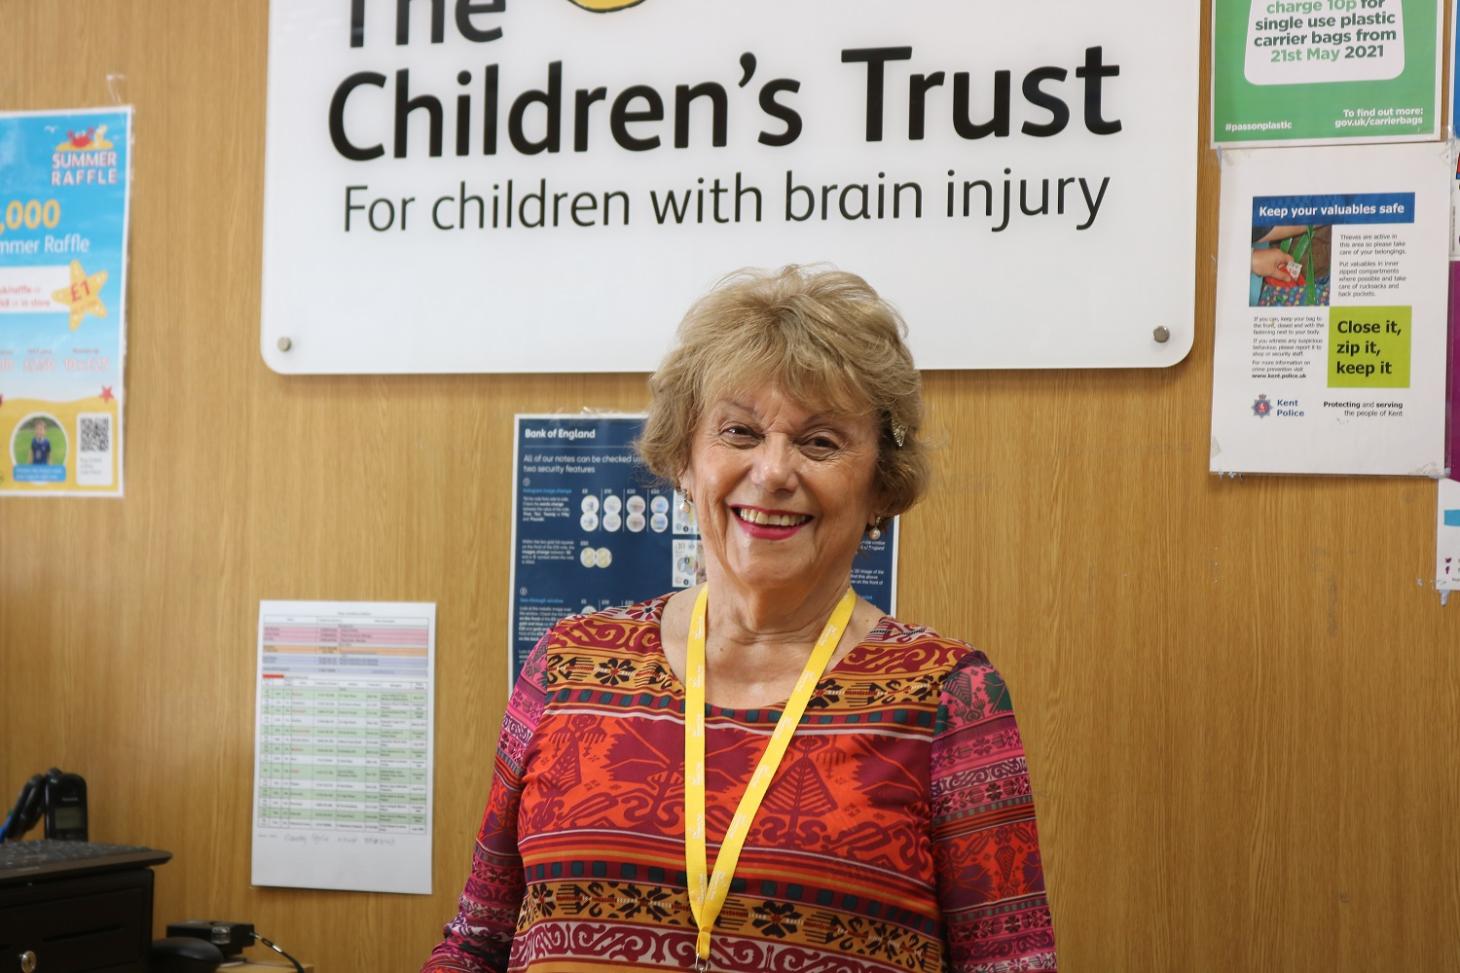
782,493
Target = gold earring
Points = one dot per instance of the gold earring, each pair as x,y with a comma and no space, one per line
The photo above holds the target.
875,533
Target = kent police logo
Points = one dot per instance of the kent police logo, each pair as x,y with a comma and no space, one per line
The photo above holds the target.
1262,408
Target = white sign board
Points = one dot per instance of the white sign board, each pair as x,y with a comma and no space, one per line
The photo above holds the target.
503,186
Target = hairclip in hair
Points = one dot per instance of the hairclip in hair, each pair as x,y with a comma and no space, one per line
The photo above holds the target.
899,434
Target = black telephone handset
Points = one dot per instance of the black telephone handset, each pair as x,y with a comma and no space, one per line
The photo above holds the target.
65,806
60,797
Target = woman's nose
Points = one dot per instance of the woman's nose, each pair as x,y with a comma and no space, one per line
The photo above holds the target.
775,466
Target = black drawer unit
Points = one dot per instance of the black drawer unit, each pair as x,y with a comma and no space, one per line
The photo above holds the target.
85,924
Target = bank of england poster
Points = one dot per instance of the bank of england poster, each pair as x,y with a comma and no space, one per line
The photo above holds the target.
593,528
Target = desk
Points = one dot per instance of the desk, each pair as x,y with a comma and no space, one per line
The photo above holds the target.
251,967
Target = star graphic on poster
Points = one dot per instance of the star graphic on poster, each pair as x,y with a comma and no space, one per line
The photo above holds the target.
83,297
106,393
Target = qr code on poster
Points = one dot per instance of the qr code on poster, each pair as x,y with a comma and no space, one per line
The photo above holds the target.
94,434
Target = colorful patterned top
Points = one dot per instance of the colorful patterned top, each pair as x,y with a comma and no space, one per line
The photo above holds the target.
897,835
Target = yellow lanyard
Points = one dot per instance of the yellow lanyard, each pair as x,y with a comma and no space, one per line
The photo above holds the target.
707,897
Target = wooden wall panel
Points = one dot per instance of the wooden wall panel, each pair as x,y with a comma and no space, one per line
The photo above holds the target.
1239,696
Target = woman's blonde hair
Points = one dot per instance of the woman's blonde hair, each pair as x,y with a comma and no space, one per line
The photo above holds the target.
824,337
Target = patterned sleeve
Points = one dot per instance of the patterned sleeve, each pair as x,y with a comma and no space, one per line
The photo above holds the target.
479,939
985,842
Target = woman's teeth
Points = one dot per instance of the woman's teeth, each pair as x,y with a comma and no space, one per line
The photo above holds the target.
764,519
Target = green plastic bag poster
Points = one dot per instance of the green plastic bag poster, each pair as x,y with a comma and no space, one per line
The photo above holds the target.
1311,71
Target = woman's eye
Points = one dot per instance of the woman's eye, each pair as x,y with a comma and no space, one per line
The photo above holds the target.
821,446
738,434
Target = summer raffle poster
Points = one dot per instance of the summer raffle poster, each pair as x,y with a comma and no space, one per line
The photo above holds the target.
1309,71
64,189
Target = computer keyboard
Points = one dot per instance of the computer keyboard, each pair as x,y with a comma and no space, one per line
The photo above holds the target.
24,861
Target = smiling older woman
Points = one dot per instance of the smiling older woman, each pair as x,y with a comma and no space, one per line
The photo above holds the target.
764,772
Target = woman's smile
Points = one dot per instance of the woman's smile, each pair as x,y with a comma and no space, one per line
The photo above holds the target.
771,525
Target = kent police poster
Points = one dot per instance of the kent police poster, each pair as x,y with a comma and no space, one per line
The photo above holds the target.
593,528
64,186
1332,280
1309,71
505,186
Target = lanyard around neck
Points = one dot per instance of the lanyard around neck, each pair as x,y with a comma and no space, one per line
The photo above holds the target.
707,895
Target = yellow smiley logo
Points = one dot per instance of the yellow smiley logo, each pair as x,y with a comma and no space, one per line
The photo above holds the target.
605,6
